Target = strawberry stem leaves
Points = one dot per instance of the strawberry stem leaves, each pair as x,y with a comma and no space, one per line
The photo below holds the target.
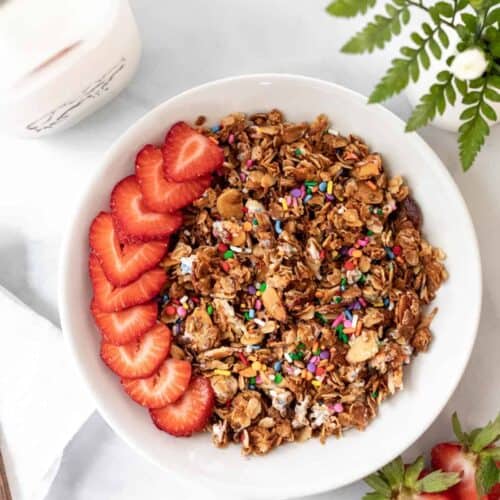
459,433
394,480
393,472
412,472
379,484
397,481
494,453
438,481
375,495
487,475
486,436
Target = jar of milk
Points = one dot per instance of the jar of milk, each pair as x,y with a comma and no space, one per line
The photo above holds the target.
62,60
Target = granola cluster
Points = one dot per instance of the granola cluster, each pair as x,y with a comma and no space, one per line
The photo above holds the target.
298,282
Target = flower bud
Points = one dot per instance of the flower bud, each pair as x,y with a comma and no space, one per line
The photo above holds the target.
469,64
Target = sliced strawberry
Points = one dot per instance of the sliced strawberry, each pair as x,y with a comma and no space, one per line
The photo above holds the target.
189,154
134,223
139,358
165,386
494,494
125,326
442,495
122,265
451,457
474,457
190,413
159,194
111,299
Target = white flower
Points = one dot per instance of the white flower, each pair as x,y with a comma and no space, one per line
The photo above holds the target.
469,64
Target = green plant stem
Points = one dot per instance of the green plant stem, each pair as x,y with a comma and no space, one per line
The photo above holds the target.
481,96
455,6
421,6
483,23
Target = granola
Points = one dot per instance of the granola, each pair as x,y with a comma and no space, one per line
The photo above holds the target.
299,282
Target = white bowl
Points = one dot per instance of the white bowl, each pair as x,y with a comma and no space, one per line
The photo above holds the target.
296,469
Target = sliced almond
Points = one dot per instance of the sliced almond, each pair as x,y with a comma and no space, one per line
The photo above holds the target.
252,338
367,195
248,372
272,303
371,166
363,347
266,422
292,133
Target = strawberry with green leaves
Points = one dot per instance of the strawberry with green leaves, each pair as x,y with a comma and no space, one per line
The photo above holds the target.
396,481
475,458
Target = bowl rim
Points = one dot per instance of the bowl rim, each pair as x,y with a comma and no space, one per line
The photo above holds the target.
72,225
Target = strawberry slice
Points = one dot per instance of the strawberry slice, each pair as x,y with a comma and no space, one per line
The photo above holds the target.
474,457
494,494
190,413
134,223
443,495
125,326
452,458
140,358
189,154
122,265
111,299
159,194
165,386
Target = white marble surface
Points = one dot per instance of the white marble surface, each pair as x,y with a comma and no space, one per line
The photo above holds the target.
187,43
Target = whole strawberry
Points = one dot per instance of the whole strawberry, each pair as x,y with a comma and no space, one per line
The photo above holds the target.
396,481
475,458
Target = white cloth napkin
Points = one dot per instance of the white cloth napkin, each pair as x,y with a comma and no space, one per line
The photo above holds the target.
42,400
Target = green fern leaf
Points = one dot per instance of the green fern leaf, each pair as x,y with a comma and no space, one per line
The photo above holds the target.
451,95
394,81
472,133
435,49
402,70
349,8
376,33
494,81
405,16
492,95
493,17
461,86
443,38
488,111
432,103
